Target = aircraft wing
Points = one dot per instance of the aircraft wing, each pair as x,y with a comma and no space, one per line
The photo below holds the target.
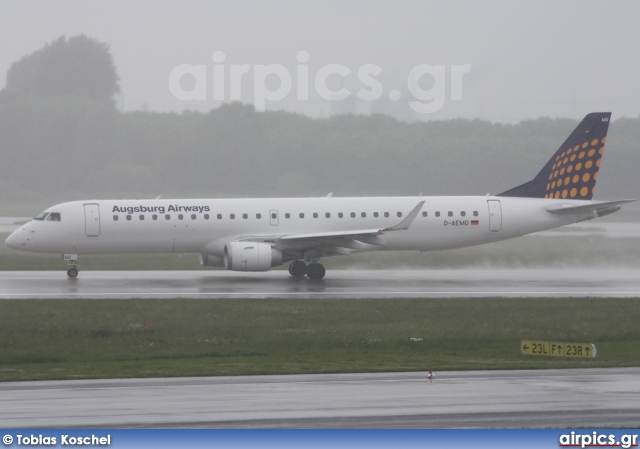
335,242
403,225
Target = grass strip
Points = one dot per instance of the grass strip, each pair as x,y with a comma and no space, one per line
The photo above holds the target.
71,339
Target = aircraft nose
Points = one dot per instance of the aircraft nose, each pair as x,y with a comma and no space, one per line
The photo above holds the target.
11,241
16,240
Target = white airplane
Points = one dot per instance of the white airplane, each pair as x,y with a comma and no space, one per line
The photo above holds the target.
258,234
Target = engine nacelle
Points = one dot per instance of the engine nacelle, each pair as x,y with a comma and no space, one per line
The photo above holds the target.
211,261
251,256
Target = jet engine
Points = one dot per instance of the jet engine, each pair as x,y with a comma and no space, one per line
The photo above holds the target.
251,256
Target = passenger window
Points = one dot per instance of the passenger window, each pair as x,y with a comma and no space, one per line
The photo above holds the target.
424,213
167,217
287,215
155,217
375,214
206,216
193,216
475,213
340,215
245,216
141,217
219,216
274,216
328,215
399,214
363,215
180,217
115,218
450,214
315,215
53,216
386,214
353,215
129,217
463,213
232,216
437,213
301,215
258,216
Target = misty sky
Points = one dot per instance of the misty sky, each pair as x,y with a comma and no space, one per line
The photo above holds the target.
527,59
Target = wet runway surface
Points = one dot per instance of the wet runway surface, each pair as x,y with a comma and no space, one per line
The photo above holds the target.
338,283
486,399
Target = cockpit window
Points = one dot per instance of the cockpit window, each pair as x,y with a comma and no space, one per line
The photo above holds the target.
42,216
54,216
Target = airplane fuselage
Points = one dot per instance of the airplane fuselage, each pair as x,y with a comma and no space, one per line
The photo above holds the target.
206,226
258,234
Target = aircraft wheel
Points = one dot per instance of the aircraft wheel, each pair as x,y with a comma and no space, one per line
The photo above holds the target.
72,272
297,269
316,271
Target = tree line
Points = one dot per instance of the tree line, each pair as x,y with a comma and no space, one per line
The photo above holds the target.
71,142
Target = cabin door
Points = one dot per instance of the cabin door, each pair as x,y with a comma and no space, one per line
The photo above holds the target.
92,220
495,215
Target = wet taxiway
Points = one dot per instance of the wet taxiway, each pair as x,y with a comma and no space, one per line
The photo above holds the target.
338,283
487,399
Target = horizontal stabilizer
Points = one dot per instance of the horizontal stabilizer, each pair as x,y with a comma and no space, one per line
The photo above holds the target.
601,208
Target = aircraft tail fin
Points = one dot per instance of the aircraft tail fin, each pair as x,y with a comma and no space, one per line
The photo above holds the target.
572,172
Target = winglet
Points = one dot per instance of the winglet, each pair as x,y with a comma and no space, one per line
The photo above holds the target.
404,224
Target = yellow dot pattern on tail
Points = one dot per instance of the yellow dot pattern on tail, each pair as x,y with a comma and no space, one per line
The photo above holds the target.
572,171
585,173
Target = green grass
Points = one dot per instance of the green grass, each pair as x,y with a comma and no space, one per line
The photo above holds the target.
70,339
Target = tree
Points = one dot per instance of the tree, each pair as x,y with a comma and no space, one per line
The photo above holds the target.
78,66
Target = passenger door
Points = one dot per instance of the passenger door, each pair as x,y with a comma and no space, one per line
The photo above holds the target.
495,215
92,220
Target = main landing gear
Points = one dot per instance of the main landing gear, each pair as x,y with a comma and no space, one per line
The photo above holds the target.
314,271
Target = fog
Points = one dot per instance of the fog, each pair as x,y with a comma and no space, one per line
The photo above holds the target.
185,99
516,59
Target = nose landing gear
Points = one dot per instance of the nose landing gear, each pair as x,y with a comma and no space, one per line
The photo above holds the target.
72,259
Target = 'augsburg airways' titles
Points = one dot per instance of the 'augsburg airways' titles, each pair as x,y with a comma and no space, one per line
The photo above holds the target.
160,209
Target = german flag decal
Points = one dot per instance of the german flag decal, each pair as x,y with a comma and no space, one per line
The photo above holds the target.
475,222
